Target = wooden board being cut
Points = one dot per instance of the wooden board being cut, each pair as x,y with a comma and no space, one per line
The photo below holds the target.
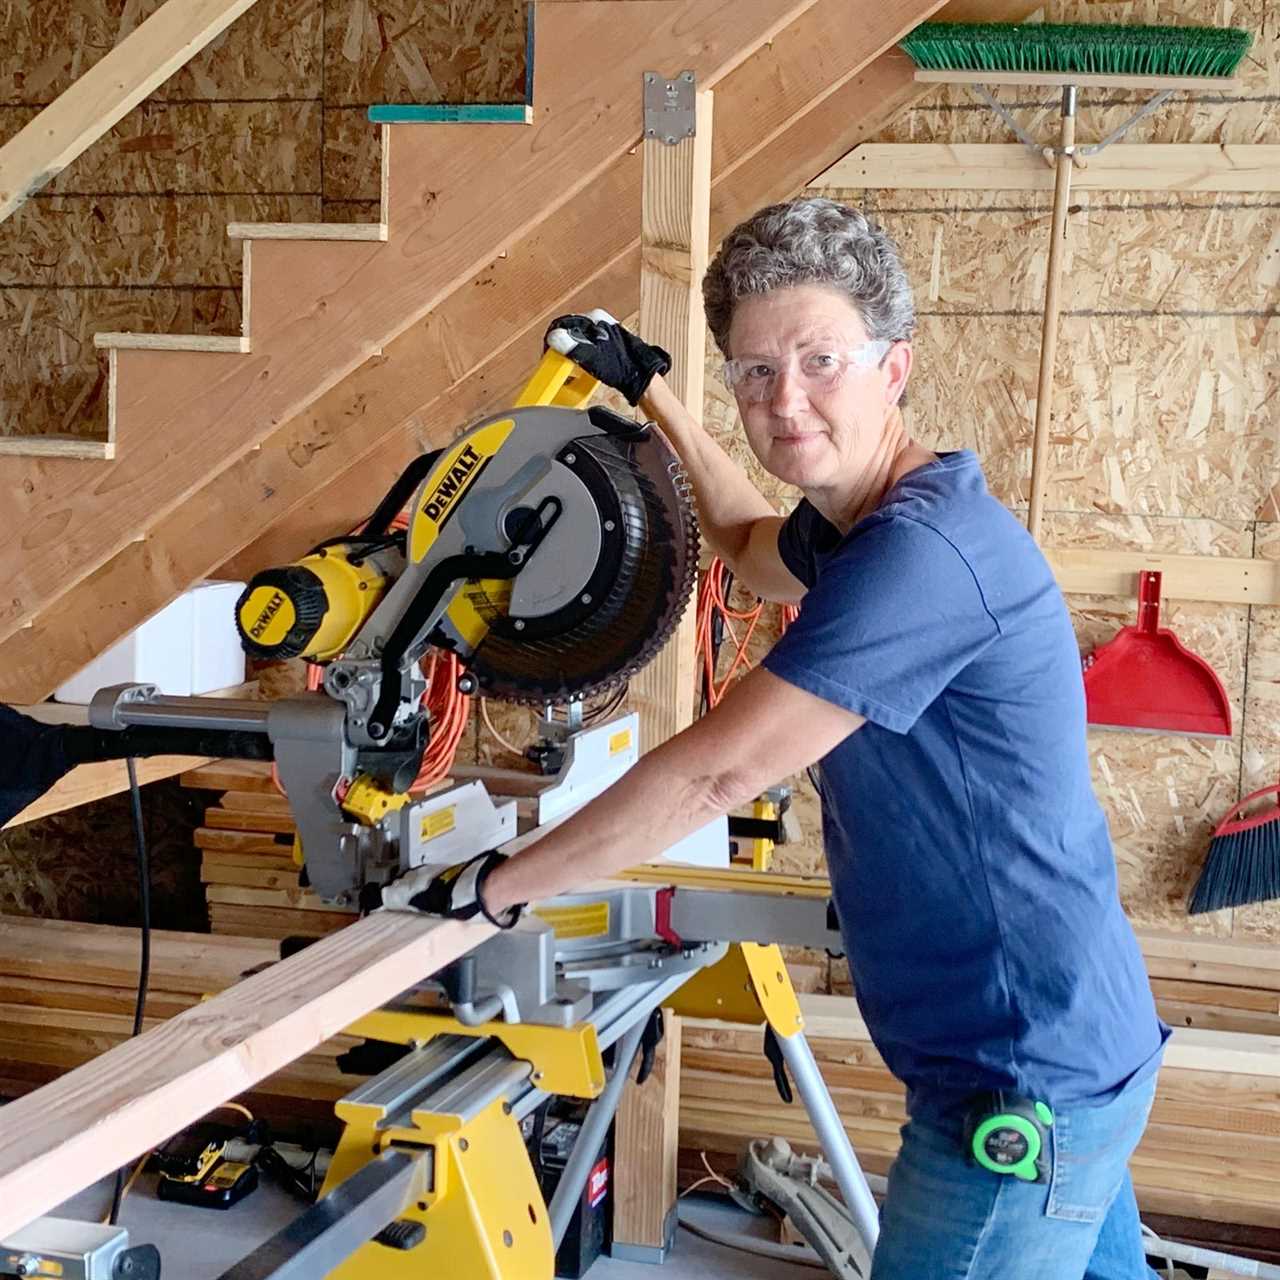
61,1138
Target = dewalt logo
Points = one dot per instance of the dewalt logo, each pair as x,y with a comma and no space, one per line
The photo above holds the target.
453,485
272,607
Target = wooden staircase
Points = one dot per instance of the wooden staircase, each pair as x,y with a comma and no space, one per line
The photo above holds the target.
362,351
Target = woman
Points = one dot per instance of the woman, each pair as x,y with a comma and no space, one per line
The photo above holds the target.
934,673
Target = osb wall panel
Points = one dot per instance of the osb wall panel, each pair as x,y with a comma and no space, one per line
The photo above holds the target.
1159,414
1164,793
273,50
76,242
407,51
1260,764
49,331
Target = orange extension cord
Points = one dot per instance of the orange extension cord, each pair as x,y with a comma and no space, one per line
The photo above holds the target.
712,600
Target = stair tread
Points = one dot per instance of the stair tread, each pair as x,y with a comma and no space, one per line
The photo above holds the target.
307,230
229,342
85,447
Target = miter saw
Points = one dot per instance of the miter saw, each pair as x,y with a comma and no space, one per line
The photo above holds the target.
552,548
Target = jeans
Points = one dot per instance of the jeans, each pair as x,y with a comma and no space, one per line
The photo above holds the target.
946,1218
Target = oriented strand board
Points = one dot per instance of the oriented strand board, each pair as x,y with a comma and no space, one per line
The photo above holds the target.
1161,415
408,51
83,242
53,381
271,51
1260,763
978,251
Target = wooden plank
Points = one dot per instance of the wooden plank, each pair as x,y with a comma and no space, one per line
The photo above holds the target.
232,775
108,91
58,447
89,782
219,873
61,1138
646,1145
1214,579
447,371
255,803
293,899
1012,166
54,951
249,844
242,820
317,310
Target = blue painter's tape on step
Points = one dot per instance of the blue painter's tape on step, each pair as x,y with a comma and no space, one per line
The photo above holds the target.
444,113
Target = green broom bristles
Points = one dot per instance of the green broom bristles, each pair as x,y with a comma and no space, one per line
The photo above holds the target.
1083,47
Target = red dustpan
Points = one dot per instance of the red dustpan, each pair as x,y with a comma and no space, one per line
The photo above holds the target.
1144,678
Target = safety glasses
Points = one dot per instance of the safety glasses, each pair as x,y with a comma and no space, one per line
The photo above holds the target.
753,378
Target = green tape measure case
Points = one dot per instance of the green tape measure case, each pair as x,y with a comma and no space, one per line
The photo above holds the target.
1008,1134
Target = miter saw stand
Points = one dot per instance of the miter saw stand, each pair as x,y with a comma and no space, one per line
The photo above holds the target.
432,1170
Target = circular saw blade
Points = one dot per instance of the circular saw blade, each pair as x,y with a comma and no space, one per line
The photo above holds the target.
650,588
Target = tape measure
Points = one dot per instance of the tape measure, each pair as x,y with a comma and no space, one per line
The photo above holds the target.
1008,1134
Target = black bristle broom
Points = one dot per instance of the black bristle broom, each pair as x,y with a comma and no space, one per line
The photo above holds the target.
1243,862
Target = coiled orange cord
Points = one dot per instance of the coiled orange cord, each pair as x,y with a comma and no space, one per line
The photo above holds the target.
712,600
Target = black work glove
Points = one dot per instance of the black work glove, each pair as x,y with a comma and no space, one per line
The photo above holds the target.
33,757
600,346
450,891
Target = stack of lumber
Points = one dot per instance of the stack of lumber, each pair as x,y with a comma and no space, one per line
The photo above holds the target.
1211,1151
246,845
67,994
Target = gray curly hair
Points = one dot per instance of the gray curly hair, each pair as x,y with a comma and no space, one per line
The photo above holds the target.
811,241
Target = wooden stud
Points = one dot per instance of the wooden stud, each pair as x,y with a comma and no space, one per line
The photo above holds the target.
1000,166
674,233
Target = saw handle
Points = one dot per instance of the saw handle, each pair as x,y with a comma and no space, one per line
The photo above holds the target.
557,380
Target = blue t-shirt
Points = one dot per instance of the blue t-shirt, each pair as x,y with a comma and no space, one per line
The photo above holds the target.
971,865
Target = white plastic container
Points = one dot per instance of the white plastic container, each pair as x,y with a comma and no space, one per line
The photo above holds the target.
190,646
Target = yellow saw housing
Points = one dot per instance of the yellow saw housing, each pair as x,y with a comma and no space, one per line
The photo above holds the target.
309,609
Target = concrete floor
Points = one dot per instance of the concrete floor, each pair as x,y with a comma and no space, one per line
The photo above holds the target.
200,1244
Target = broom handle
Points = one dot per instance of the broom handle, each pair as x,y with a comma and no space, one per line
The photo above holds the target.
1049,327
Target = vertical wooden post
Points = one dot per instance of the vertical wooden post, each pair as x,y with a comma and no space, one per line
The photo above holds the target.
674,230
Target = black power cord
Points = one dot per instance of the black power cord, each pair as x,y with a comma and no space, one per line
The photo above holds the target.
144,965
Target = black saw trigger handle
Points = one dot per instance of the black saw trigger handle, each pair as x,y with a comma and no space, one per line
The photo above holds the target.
650,1039
773,1051
614,424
